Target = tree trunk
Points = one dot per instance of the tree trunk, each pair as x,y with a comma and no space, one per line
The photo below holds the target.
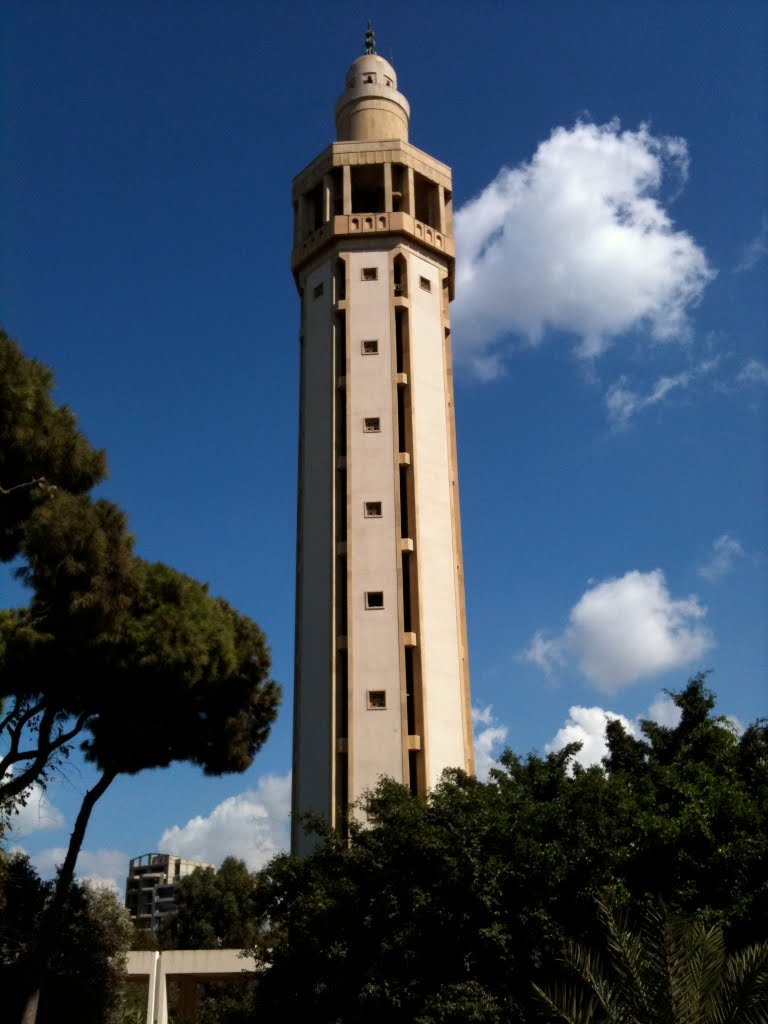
49,924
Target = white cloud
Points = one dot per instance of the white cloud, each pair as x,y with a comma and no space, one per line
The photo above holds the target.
623,403
736,724
622,630
38,815
576,240
664,711
103,867
755,249
722,558
252,826
548,654
487,740
753,372
587,726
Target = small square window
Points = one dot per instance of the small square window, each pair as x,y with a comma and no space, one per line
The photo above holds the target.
371,348
370,274
425,283
372,424
373,509
318,290
377,700
374,599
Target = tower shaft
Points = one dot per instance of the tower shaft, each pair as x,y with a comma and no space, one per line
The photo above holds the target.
381,655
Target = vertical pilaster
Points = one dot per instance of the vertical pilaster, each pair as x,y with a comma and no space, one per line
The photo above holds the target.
409,199
327,198
388,187
347,188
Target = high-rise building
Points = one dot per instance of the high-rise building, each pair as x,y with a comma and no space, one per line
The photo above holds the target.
382,685
150,889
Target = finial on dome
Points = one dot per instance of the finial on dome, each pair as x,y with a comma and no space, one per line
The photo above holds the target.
370,39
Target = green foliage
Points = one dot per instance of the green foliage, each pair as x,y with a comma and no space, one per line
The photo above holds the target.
206,668
143,938
22,898
88,968
104,636
214,910
669,970
41,448
97,612
447,909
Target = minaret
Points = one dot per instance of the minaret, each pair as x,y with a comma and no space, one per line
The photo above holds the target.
382,684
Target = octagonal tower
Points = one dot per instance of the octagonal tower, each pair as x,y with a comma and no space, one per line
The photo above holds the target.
381,680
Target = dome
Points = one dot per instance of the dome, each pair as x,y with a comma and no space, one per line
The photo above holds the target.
370,108
371,69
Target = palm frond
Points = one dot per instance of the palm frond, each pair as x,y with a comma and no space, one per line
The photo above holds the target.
742,998
569,1004
695,961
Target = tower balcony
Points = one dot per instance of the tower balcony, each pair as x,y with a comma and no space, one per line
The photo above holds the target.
355,225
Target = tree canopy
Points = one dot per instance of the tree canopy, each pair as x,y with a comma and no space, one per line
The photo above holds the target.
449,909
214,909
87,968
41,448
132,660
102,623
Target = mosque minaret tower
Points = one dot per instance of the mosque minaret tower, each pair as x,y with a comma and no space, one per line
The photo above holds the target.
382,682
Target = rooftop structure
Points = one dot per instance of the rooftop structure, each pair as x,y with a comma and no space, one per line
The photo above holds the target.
150,889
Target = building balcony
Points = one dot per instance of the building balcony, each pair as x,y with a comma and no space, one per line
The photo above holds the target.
354,225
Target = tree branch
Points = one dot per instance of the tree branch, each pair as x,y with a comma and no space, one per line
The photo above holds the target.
18,783
29,713
19,487
11,787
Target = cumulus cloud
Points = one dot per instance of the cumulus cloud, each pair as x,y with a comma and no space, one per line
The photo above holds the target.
755,249
37,815
579,241
489,737
622,402
722,558
252,826
622,630
107,868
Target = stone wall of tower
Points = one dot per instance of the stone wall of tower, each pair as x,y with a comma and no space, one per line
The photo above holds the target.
381,663
375,733
441,640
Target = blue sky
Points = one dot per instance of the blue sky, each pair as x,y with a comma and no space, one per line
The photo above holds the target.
609,329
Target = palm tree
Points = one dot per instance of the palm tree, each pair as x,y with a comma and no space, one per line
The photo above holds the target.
670,970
